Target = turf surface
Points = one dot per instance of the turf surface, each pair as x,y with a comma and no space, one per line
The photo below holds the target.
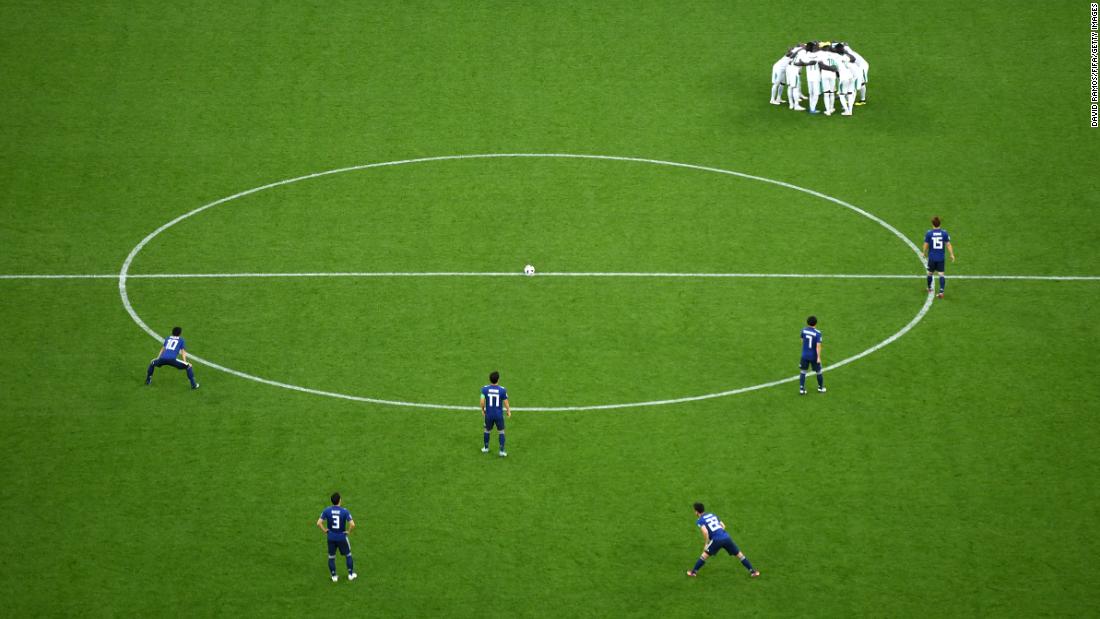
951,473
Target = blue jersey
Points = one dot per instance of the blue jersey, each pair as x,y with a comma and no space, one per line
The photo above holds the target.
337,519
495,396
173,344
937,241
811,337
714,526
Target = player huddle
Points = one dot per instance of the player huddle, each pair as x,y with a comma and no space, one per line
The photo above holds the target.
832,69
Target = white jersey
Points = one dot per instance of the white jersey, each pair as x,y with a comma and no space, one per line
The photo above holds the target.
861,64
859,59
829,78
844,70
812,70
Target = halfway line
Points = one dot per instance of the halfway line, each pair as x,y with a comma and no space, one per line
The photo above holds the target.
547,274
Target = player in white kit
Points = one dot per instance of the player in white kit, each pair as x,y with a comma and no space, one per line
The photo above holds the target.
794,83
857,74
830,75
844,84
813,74
861,77
779,75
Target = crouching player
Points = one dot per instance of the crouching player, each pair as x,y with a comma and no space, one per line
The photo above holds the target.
174,354
716,538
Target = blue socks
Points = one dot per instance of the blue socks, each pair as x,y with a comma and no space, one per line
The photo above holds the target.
820,380
191,375
501,437
332,565
351,566
943,282
149,372
698,565
748,566
486,439
929,282
801,380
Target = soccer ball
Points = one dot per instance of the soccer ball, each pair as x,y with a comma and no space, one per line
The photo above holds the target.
529,270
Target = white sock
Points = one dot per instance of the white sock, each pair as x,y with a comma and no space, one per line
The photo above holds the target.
863,93
830,102
813,100
777,89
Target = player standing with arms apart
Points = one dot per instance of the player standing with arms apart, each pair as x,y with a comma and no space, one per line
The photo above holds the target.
494,405
172,353
337,522
811,356
936,241
716,538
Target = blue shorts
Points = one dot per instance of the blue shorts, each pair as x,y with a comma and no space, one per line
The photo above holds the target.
935,266
339,544
176,363
806,363
714,545
494,420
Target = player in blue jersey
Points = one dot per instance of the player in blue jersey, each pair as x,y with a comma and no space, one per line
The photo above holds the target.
337,522
936,241
172,353
494,406
811,356
716,538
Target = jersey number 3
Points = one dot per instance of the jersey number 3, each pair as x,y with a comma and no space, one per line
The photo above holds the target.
335,520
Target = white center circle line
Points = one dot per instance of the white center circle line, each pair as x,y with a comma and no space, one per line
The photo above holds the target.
124,274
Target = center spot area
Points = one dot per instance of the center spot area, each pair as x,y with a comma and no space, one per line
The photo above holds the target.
557,341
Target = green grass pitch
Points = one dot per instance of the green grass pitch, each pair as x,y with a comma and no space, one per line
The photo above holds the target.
952,473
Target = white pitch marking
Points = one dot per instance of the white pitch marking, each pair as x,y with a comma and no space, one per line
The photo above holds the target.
112,276
124,272
62,276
